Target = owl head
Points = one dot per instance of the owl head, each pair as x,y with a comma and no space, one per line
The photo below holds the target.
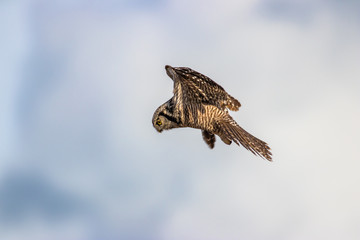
162,119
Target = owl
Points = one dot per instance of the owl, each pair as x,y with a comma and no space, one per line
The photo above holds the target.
201,103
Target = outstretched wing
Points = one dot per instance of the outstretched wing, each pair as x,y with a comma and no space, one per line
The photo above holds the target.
195,87
228,127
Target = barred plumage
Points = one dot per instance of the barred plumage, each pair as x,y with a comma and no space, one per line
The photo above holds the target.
201,103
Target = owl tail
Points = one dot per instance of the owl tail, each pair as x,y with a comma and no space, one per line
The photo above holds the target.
237,134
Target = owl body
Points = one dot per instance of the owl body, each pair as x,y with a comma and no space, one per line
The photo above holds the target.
200,103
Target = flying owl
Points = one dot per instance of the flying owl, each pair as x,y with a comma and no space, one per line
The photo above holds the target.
201,103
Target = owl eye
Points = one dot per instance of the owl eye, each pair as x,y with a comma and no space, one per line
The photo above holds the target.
158,122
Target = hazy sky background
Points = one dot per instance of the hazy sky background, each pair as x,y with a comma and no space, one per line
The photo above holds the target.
80,80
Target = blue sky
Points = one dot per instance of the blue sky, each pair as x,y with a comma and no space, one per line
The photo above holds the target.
80,81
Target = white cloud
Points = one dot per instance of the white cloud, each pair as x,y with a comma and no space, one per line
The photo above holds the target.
91,132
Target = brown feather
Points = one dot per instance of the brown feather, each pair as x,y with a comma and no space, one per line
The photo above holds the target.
237,134
209,138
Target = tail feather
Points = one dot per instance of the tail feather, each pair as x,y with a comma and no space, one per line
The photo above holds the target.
237,134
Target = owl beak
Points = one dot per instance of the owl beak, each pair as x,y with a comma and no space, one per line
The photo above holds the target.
157,129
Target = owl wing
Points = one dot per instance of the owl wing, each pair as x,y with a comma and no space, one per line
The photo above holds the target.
228,128
194,87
